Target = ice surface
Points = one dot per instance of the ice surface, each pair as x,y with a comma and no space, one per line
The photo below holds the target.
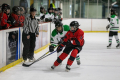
97,63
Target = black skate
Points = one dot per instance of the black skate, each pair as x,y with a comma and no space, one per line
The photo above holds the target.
109,46
118,46
78,62
67,68
53,67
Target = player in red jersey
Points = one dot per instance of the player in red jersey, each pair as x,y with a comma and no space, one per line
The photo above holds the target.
4,15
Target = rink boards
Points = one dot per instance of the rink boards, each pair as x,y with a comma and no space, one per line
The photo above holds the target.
8,46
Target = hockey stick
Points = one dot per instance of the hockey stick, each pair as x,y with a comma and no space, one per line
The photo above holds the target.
114,3
110,10
38,59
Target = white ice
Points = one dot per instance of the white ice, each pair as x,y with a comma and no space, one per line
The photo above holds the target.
97,63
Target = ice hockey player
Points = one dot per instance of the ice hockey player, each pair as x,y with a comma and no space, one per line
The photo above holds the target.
42,15
56,13
16,15
114,28
4,15
58,35
49,16
22,17
73,42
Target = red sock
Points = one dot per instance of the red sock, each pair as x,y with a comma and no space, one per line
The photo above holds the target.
60,59
72,57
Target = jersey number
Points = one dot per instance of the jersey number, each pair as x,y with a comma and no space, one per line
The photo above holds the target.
117,21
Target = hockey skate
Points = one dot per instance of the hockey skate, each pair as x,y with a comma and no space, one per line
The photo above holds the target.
78,60
67,68
109,46
118,46
53,67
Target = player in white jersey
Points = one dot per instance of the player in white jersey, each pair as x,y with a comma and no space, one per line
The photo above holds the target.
49,16
57,36
113,29
42,15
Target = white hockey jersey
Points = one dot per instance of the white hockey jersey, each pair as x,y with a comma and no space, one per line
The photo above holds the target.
114,23
49,16
56,37
41,14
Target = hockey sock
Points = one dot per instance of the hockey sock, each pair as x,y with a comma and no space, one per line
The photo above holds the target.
72,57
60,59
117,39
110,40
78,57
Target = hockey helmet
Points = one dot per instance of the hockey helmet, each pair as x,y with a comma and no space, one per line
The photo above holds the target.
15,9
21,9
50,9
41,9
57,25
59,9
113,11
74,24
33,10
5,7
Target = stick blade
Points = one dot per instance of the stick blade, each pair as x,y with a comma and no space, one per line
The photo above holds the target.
114,3
26,65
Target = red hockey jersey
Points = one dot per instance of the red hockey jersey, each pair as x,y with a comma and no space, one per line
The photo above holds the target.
3,20
76,38
19,20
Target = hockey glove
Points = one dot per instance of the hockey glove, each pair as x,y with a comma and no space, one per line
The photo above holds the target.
61,40
51,48
46,19
107,27
108,19
42,17
68,43
50,20
59,49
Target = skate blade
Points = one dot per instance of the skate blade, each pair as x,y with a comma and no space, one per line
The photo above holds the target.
117,47
51,69
108,47
67,70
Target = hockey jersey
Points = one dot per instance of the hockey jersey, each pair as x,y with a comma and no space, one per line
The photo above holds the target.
76,38
56,37
41,14
49,16
114,23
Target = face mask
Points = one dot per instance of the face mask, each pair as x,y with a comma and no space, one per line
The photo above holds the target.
73,30
60,31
